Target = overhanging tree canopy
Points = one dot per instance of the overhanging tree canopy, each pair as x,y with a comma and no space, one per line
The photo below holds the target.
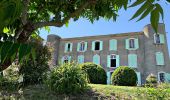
25,17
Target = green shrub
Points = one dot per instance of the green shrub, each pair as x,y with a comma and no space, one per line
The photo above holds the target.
124,76
96,73
151,80
66,78
32,70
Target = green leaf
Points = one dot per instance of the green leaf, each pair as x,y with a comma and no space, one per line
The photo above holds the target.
5,30
155,19
13,51
168,1
138,2
159,8
4,50
33,53
22,49
147,11
140,10
67,24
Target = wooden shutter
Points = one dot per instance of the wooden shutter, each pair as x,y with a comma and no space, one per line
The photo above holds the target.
113,44
162,39
138,78
93,45
159,58
127,43
66,47
167,77
108,78
117,61
101,45
96,59
69,59
71,47
62,60
108,61
132,60
78,46
85,46
136,43
80,59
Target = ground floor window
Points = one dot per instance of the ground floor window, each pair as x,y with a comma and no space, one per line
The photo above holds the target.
161,77
66,59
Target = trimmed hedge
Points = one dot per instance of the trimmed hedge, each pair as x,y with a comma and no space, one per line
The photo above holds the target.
124,76
96,73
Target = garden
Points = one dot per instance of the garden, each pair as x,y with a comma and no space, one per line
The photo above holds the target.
34,80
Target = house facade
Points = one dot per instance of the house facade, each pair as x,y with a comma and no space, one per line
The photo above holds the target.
146,52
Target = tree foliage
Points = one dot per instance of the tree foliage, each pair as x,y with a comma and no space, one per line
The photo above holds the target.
23,18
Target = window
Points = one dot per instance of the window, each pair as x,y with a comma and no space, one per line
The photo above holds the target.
132,43
96,59
159,58
82,46
66,59
68,47
113,60
132,60
161,77
113,44
159,38
97,45
80,59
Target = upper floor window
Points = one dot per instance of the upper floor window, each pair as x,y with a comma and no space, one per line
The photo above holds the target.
82,46
159,58
132,60
113,60
159,38
68,47
132,44
97,45
113,44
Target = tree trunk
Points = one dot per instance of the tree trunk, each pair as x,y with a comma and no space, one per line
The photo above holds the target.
23,37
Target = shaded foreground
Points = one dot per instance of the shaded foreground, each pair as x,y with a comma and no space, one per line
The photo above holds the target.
94,92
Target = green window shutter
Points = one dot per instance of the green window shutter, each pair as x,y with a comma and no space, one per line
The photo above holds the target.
101,45
132,60
78,46
167,77
117,61
127,44
93,45
96,59
69,59
136,43
154,38
159,58
71,47
162,39
80,59
113,44
108,61
66,47
138,78
108,78
85,46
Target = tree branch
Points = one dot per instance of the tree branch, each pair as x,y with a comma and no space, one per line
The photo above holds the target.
66,19
24,11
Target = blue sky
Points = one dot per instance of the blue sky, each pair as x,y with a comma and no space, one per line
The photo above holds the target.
83,27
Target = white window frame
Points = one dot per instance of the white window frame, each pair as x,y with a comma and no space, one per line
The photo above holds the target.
95,45
112,58
65,59
155,38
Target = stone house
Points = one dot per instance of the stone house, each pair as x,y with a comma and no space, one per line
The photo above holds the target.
146,52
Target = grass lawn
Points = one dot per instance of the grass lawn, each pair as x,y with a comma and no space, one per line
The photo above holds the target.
94,92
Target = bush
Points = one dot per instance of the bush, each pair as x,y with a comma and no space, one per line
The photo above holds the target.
66,78
96,73
32,70
124,76
151,80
